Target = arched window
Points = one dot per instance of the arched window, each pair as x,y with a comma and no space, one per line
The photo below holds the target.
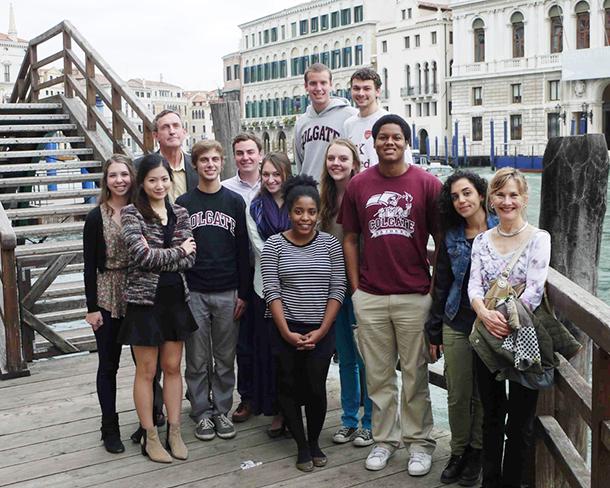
556,16
478,27
386,93
518,35
434,79
418,69
582,25
426,78
408,79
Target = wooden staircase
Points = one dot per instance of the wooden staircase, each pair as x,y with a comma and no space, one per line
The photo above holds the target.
44,164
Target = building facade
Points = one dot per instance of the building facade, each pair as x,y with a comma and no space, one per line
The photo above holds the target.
231,89
277,49
12,52
414,53
198,120
537,69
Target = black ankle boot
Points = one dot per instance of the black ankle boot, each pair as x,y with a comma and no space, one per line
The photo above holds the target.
472,468
111,435
453,469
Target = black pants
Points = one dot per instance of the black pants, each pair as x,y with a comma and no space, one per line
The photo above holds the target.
302,381
519,429
109,356
245,351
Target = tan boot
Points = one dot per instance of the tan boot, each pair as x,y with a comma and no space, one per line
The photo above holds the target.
151,447
174,443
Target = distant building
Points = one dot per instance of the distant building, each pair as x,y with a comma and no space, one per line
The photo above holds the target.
538,68
277,49
414,52
198,120
12,51
231,89
159,95
48,74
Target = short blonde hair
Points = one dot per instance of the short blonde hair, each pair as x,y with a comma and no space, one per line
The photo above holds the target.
202,147
502,177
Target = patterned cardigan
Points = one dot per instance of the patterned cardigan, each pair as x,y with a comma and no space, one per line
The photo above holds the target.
147,262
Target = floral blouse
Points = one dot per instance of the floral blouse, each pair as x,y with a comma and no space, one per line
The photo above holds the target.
111,283
532,267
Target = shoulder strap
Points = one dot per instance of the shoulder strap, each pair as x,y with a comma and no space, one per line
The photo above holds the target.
509,267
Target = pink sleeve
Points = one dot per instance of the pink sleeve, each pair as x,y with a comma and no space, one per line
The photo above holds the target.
475,284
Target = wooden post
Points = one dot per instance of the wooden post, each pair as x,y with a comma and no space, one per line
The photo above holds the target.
34,80
117,124
600,412
542,471
226,120
90,71
572,209
68,92
27,333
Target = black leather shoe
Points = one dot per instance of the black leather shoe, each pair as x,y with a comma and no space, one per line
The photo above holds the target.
136,437
111,435
452,471
472,468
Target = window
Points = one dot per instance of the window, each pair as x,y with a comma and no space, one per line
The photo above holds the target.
358,14
325,58
416,40
335,60
433,37
477,95
334,19
274,34
228,74
236,71
450,37
418,111
7,73
582,25
515,91
266,36
407,42
283,68
426,109
555,15
314,24
252,38
247,42
553,128
359,57
403,14
409,13
554,93
479,40
518,35
408,108
303,27
283,32
515,127
324,22
384,46
260,38
275,72
346,16
477,128
433,108
347,56
293,29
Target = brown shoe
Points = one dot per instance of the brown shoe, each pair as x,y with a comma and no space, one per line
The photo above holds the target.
151,447
242,413
174,443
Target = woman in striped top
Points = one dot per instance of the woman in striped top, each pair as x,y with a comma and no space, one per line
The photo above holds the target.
304,286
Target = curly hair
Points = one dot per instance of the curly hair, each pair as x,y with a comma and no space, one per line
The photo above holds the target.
449,218
300,186
328,188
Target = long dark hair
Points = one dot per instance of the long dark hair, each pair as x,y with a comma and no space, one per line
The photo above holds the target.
105,193
449,216
147,164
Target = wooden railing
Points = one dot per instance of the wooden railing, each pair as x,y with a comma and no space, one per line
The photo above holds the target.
88,88
15,365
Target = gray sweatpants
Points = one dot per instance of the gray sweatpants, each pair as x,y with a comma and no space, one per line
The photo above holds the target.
213,343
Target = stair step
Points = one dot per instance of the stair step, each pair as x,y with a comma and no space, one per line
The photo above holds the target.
36,128
56,247
60,228
60,290
63,316
14,168
29,106
28,117
59,305
41,140
48,180
76,268
49,211
45,152
47,195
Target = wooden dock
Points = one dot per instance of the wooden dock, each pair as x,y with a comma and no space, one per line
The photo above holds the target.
49,437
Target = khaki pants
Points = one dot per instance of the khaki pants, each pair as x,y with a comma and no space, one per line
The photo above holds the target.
392,326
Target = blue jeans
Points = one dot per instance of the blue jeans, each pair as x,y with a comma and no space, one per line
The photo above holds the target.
351,369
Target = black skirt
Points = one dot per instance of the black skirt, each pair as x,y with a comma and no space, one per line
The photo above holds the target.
169,319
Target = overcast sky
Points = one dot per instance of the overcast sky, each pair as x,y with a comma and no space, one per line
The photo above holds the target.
183,39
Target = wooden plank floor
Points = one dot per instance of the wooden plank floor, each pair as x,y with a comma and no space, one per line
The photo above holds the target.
49,437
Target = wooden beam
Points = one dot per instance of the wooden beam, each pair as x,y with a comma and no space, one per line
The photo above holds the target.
67,40
575,388
542,471
606,434
565,454
49,34
55,81
48,59
49,334
90,100
33,74
45,280
600,455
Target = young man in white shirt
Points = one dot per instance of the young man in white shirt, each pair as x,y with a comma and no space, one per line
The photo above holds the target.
365,85
247,151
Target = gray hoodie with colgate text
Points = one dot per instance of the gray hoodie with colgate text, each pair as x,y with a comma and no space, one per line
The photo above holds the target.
314,131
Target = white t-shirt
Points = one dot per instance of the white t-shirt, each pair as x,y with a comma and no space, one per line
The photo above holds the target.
359,130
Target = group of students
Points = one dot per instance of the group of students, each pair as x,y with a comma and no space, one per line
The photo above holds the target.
310,264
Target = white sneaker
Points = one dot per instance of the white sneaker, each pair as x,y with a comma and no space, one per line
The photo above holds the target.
378,458
419,464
